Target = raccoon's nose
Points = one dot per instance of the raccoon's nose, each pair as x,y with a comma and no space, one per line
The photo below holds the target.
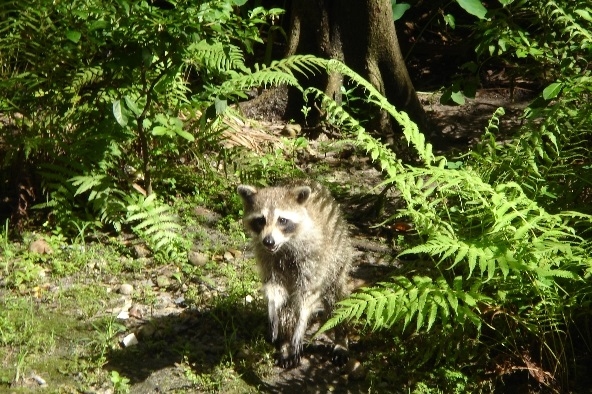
268,242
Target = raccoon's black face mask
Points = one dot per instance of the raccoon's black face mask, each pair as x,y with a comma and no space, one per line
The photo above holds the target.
275,215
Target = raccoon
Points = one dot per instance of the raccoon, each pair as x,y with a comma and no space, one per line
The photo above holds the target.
304,254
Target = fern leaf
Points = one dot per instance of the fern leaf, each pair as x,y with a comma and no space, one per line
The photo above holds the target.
86,182
433,315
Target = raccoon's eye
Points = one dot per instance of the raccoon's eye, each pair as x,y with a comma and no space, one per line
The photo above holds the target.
287,225
257,224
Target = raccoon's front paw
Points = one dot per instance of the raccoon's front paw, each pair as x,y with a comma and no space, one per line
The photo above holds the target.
287,357
287,362
340,355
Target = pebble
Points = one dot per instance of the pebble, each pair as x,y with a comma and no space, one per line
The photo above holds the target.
123,315
141,251
236,253
163,281
209,217
146,331
40,381
126,289
40,246
291,130
228,256
135,312
129,340
354,369
196,258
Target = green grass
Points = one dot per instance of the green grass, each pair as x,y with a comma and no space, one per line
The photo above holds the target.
58,312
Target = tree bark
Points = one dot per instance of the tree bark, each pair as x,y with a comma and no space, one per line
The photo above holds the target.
360,33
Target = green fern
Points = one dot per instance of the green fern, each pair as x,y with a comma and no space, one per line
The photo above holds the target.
493,243
402,301
84,77
155,222
279,72
216,56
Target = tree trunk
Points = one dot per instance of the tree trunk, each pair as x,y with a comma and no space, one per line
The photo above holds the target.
360,33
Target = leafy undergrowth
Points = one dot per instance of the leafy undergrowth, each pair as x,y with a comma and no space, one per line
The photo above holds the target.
73,308
70,307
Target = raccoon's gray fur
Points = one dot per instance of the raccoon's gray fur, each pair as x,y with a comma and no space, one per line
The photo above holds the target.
304,254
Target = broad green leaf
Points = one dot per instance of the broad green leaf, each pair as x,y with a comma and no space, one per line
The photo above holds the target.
458,97
551,91
182,133
452,300
399,9
160,130
432,316
132,106
97,25
220,106
473,7
472,260
73,36
462,252
118,111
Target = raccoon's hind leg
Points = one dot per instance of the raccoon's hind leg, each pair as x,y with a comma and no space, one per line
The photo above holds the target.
340,354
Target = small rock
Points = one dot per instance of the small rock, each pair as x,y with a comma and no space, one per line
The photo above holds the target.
141,251
236,253
207,216
354,369
40,246
147,283
129,340
146,331
163,301
291,130
228,256
135,312
163,281
126,289
196,258
243,354
123,315
40,381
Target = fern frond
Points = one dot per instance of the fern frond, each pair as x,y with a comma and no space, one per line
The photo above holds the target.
84,77
216,56
403,301
279,72
154,221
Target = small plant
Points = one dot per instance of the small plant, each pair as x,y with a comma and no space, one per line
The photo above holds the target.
120,383
106,331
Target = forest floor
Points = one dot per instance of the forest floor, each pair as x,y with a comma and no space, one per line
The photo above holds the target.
126,323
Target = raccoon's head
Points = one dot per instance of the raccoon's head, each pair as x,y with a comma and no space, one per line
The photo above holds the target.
275,215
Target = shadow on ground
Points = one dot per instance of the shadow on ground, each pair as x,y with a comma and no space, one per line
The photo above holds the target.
174,350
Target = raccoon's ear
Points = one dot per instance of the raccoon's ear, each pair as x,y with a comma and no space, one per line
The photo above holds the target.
246,192
302,193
